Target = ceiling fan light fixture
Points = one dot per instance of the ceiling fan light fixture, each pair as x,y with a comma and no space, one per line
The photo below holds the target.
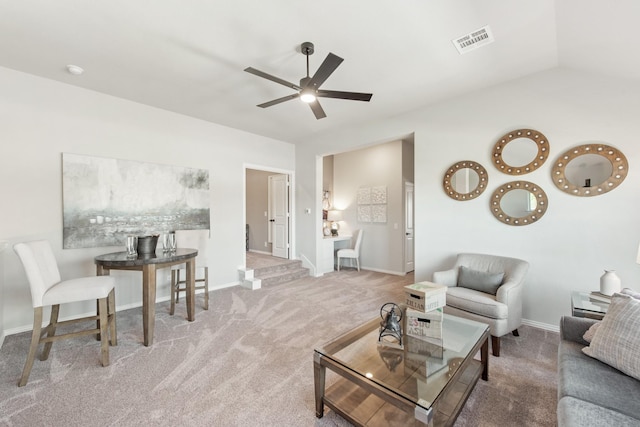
307,96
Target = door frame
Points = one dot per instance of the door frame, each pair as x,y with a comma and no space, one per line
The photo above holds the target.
405,186
292,210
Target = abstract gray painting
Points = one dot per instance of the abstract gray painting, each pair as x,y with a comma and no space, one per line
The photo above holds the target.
105,200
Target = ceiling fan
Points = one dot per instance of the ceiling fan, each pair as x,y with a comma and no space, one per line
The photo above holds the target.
309,89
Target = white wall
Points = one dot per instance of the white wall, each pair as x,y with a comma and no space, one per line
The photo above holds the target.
576,239
379,165
40,119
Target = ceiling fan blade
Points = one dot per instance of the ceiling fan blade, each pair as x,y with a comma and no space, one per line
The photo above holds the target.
272,78
328,66
355,96
317,110
279,100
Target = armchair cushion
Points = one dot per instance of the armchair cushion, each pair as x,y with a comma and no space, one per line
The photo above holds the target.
482,281
476,302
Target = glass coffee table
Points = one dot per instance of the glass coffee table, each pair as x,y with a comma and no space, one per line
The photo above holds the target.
423,383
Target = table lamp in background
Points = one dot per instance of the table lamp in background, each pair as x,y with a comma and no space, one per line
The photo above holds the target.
334,216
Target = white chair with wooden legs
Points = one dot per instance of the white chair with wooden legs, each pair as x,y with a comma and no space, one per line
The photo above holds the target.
353,253
194,239
47,289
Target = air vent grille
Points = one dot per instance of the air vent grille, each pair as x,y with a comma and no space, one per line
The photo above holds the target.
474,40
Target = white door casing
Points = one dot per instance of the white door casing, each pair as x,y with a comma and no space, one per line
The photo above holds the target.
279,215
409,242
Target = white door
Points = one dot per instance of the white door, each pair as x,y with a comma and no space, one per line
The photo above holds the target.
408,228
279,215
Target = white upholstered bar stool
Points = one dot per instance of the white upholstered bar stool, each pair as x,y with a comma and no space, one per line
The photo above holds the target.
47,289
352,253
194,239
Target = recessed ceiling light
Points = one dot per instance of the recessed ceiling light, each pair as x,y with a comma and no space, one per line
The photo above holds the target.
75,70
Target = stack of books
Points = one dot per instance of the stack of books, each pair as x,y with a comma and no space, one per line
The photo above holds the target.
599,297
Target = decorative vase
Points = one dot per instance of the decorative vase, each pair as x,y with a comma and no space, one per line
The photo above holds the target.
609,283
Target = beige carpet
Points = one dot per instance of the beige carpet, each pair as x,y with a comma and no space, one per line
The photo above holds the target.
247,362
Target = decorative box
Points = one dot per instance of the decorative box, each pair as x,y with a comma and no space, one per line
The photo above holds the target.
425,296
426,326
422,357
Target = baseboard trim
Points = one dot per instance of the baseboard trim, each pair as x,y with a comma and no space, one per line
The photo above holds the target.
379,270
313,271
540,325
255,251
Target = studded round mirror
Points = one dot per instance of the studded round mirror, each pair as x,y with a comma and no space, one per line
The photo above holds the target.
465,180
520,151
589,170
519,203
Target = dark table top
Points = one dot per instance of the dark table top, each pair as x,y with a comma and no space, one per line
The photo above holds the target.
121,259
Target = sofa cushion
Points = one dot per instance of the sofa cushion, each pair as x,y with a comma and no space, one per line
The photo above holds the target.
592,381
616,342
482,281
476,302
574,412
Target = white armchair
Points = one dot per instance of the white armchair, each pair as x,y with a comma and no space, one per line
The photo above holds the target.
488,289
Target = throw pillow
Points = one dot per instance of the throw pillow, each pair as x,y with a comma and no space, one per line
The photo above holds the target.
631,293
616,341
588,336
482,281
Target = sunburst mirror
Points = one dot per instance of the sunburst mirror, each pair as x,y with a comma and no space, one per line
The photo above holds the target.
519,203
520,151
465,180
589,170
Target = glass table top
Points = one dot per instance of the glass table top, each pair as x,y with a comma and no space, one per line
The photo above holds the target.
419,371
582,301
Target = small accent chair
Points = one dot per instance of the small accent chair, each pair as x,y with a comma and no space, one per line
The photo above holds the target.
47,289
352,253
488,289
194,239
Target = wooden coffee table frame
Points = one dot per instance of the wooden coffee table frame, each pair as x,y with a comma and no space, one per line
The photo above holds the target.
405,403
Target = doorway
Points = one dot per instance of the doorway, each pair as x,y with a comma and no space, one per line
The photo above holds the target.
268,208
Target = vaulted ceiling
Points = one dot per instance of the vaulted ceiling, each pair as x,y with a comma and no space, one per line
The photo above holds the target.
189,57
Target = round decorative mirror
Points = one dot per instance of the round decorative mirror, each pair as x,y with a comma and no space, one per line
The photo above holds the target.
465,180
589,170
521,151
519,203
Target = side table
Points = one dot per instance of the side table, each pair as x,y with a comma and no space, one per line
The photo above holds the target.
583,306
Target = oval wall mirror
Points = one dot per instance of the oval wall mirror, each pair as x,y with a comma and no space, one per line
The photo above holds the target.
465,180
589,170
520,151
519,203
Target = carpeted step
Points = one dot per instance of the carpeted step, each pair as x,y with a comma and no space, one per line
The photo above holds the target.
282,273
282,268
284,277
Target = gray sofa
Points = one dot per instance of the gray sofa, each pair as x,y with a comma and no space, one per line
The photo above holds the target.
592,393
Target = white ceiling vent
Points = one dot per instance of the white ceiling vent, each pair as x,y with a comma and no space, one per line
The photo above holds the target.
474,40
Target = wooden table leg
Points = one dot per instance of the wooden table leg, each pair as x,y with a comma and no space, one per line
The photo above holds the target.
100,271
148,302
319,374
484,358
191,289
